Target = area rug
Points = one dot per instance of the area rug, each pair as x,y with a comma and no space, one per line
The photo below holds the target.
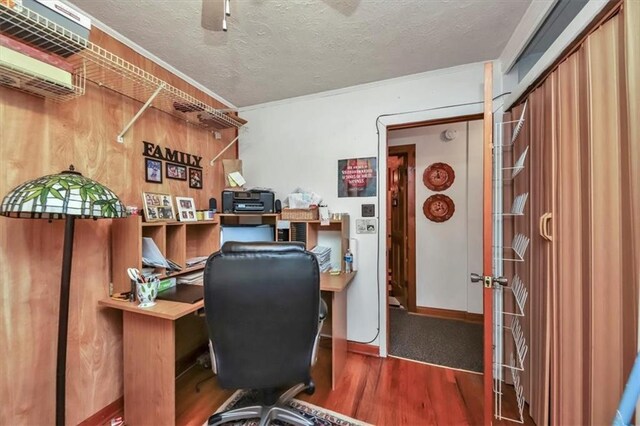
320,416
438,341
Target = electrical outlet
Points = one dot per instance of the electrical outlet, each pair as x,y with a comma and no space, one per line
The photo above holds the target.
368,210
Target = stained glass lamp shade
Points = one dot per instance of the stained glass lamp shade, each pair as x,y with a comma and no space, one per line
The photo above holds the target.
60,195
67,195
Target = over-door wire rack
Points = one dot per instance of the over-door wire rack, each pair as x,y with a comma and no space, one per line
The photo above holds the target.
517,290
106,69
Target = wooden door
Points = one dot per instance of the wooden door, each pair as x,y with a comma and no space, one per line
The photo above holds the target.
397,200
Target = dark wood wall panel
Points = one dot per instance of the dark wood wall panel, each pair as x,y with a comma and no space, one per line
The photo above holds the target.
39,137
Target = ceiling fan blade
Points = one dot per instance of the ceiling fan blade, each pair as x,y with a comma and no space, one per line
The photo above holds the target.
212,14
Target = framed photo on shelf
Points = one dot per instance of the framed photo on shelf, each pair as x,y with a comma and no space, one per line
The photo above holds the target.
186,209
152,170
195,178
176,171
157,207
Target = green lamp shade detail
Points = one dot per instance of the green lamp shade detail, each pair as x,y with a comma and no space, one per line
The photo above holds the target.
57,196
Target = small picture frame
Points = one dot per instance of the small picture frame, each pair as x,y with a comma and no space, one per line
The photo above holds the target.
195,178
186,209
157,207
152,170
176,171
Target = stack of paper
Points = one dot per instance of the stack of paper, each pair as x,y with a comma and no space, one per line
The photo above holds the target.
193,278
195,261
323,254
151,255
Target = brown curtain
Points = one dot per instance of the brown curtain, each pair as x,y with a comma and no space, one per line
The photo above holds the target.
583,127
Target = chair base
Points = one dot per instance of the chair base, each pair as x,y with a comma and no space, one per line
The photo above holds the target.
267,414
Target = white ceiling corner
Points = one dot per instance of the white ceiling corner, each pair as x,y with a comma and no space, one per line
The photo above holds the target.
278,49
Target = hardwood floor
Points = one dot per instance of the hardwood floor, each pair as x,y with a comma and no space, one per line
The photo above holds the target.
379,391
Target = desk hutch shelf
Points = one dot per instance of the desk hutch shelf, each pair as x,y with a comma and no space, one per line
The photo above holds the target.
177,241
308,231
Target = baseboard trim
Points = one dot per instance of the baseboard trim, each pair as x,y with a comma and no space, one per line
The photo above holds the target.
450,314
115,409
363,348
473,317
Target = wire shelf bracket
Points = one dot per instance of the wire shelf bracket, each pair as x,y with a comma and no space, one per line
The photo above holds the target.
516,131
519,390
519,247
147,104
520,294
517,207
520,343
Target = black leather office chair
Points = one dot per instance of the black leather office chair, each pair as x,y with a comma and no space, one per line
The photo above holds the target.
264,315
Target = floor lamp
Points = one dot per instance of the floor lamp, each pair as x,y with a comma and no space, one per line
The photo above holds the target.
67,195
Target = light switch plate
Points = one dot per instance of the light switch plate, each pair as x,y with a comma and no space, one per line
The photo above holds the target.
368,210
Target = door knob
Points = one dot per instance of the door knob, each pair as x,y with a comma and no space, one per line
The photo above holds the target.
501,280
488,281
475,278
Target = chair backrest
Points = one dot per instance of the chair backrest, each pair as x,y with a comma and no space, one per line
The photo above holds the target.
261,302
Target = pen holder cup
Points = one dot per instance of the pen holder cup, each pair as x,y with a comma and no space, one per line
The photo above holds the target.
147,293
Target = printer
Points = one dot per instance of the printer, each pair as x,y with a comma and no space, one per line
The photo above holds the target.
254,201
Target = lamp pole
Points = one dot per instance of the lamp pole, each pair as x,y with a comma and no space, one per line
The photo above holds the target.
63,320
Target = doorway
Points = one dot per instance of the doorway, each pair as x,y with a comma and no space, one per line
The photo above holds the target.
401,164
435,313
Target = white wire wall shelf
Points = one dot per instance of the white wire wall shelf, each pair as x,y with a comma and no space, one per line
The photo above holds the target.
109,70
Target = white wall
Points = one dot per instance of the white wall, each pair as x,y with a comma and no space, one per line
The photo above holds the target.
447,252
298,142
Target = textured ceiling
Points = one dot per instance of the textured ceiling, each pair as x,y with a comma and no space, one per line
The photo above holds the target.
277,49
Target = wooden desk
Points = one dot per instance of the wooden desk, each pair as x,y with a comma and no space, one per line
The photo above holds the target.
149,350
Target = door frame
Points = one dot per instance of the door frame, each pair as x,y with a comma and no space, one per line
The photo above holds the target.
410,150
458,118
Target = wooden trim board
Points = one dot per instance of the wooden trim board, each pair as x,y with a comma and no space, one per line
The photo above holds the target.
115,409
363,348
450,314
447,120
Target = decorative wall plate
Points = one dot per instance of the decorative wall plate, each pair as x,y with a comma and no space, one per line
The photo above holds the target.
438,208
438,176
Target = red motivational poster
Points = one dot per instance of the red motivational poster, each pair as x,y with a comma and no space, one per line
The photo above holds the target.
357,177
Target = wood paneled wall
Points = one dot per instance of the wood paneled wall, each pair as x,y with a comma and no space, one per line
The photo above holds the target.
39,137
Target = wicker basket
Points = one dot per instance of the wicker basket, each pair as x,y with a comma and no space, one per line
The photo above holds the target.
299,214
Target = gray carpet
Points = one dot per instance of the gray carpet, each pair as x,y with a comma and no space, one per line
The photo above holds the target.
451,343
